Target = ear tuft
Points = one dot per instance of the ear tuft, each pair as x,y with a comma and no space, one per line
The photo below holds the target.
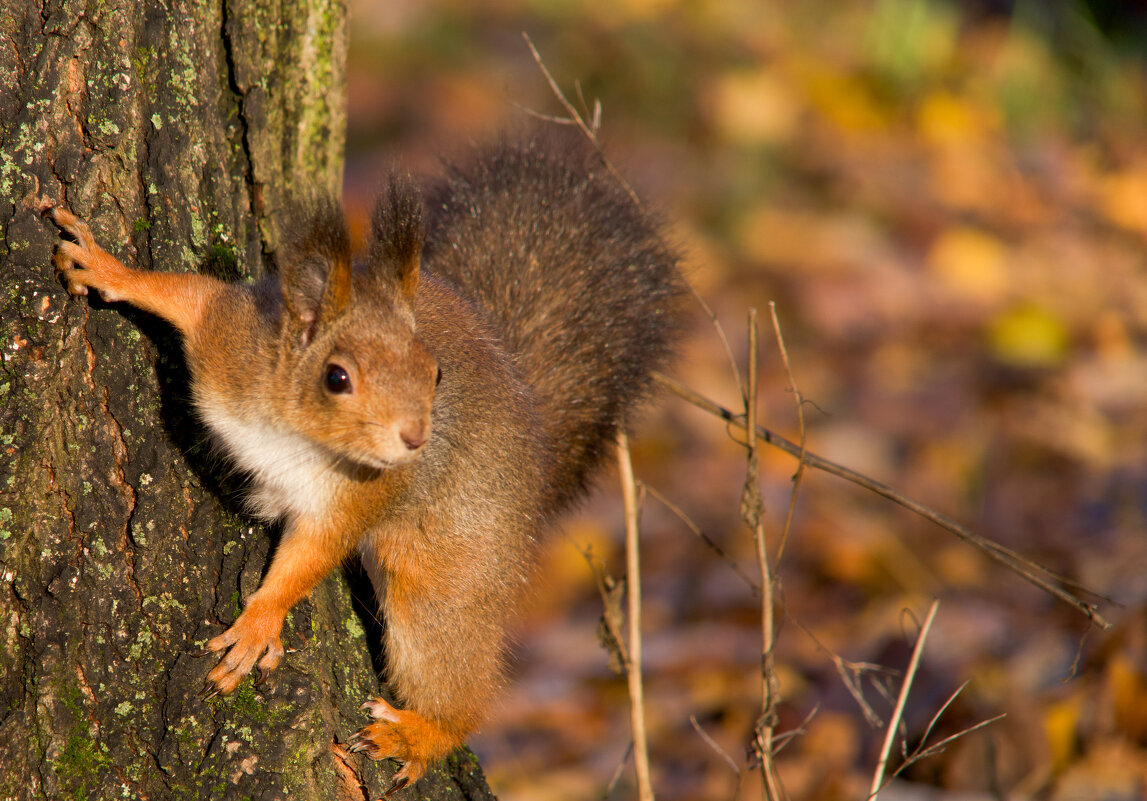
315,267
397,234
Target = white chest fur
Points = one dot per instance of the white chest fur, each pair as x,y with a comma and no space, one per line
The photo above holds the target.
290,474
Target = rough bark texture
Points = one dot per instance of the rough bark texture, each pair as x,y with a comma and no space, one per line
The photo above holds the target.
179,130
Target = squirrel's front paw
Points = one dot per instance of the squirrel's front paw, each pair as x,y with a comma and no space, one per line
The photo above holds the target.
406,736
83,263
253,639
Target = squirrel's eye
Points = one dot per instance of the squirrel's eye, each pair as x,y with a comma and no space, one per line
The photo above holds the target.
336,379
438,377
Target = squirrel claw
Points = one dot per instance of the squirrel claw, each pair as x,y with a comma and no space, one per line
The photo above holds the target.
406,736
381,710
360,743
198,653
209,691
400,782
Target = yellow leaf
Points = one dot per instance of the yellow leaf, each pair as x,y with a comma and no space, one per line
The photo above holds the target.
944,118
1128,692
1028,336
1059,724
845,100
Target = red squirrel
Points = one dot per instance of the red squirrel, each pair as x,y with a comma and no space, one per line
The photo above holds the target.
432,407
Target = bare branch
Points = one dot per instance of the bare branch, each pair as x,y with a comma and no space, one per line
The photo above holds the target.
939,712
1033,572
721,335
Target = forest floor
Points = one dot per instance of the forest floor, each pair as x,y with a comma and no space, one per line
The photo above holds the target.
949,212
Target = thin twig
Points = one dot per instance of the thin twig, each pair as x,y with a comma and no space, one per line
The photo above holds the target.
579,121
611,591
617,773
717,549
901,701
721,752
784,738
923,752
633,581
936,718
721,335
851,674
1021,565
800,428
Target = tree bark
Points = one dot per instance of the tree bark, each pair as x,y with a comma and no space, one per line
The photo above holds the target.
179,130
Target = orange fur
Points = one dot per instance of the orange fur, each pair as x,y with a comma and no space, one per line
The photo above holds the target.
306,554
405,736
179,298
431,408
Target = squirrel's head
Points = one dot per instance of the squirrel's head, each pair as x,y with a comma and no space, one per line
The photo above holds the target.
361,381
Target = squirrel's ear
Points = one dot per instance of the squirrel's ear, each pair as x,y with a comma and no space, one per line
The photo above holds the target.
316,269
397,234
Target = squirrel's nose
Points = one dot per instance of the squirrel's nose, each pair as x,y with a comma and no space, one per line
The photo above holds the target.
414,434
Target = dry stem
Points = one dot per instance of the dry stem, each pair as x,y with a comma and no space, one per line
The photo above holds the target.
633,582
751,508
901,700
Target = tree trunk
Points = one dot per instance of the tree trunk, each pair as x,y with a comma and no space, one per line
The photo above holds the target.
178,130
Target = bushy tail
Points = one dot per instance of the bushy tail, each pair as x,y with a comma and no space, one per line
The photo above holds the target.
578,279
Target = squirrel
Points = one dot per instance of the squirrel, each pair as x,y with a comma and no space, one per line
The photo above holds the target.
432,407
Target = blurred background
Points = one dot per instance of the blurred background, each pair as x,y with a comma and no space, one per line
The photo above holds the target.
948,204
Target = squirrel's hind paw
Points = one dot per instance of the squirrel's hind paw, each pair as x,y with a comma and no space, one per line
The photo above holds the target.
406,736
